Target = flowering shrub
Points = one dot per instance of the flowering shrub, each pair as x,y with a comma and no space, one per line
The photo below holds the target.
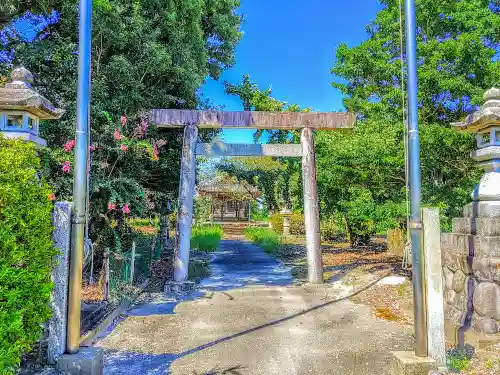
124,153
26,251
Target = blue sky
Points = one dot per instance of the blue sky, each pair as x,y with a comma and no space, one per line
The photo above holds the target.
290,46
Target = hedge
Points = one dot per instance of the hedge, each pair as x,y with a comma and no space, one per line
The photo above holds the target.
26,251
297,226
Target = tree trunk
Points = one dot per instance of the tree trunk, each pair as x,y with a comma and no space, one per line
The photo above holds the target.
348,230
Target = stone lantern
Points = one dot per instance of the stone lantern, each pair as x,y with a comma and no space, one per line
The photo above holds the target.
485,123
471,253
165,212
287,214
22,108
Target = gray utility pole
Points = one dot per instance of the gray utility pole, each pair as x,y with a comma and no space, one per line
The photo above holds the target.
415,183
80,176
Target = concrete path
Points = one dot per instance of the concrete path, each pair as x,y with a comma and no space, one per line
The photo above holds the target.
251,320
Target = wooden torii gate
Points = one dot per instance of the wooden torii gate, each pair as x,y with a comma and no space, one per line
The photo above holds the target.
191,120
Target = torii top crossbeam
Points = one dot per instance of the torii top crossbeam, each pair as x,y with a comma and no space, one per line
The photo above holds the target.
252,120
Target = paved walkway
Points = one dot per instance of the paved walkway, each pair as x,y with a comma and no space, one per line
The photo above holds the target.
251,320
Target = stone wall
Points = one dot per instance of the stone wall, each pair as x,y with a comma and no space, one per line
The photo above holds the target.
471,275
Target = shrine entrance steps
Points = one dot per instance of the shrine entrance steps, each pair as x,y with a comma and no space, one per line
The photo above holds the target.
235,229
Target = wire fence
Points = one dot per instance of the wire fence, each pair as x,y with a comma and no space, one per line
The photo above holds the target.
121,275
128,270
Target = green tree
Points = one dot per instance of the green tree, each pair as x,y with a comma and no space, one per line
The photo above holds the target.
361,174
278,178
145,54
457,47
457,61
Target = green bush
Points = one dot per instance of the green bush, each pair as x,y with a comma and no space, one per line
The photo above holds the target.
333,228
458,359
258,213
198,270
297,227
202,206
144,222
266,238
26,252
206,237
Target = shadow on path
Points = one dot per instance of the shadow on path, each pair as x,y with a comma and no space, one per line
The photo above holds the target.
118,362
236,264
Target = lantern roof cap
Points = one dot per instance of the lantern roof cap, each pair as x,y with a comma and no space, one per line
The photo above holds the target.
487,116
18,95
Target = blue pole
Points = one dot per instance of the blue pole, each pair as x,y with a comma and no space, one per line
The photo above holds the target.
80,177
415,183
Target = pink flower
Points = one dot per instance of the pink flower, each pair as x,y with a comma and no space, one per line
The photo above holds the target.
117,135
52,197
92,148
155,153
66,166
68,146
123,120
123,147
126,209
111,206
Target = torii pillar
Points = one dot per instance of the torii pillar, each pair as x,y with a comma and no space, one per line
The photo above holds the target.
185,209
311,208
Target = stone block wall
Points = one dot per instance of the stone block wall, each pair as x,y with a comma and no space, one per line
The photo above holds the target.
471,275
61,219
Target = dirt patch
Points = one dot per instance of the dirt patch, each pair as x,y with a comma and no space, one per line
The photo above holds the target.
93,292
389,302
340,259
351,265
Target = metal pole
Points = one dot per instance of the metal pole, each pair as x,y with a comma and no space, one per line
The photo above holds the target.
80,175
415,183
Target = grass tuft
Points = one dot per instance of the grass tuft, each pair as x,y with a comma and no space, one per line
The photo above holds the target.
266,238
458,359
206,237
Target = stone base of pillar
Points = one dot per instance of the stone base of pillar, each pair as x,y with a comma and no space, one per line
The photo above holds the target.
88,361
407,363
179,287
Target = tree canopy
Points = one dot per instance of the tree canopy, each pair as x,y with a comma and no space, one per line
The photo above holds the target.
145,54
361,174
458,59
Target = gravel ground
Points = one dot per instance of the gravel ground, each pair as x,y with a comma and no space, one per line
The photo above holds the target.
249,318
